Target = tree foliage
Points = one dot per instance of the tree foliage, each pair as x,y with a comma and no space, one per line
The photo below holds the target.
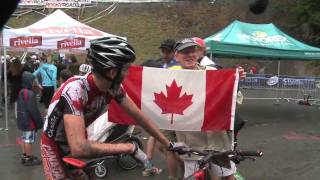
308,15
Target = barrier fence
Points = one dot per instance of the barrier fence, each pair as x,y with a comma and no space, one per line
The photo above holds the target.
282,87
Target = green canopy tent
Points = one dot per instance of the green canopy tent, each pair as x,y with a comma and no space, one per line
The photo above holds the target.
241,39
265,41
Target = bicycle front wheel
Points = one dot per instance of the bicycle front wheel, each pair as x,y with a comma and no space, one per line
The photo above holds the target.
127,161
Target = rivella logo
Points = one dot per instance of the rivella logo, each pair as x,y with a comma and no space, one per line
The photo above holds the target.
78,30
26,41
71,43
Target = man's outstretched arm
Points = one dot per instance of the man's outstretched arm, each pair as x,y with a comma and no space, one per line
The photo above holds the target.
80,146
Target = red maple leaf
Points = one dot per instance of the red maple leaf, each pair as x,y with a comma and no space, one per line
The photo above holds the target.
173,103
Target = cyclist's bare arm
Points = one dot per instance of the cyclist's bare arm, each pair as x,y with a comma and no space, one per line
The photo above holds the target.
80,146
128,105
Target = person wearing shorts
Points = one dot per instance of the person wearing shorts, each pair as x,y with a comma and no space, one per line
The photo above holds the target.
187,56
213,140
28,119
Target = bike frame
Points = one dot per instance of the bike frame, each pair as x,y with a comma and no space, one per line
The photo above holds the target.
201,174
204,163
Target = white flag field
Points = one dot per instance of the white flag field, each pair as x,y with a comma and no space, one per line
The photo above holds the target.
182,100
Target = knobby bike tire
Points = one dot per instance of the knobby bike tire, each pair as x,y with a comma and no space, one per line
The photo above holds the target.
127,161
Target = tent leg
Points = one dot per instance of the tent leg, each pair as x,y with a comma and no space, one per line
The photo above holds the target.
1,86
278,68
278,89
5,87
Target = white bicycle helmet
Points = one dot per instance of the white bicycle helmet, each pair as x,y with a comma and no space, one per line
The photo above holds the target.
110,52
84,68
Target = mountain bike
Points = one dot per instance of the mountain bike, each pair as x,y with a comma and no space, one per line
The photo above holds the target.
96,167
218,158
309,101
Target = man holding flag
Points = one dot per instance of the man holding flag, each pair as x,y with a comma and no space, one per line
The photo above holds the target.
186,55
196,103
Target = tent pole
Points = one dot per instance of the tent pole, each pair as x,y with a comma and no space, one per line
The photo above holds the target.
5,87
278,68
278,89
1,86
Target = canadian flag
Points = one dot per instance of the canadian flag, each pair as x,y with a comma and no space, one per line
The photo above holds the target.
182,100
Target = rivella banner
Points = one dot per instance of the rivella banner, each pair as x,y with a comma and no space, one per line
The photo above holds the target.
55,3
65,3
133,1
32,3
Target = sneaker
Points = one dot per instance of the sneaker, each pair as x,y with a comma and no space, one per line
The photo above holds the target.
32,161
23,159
152,171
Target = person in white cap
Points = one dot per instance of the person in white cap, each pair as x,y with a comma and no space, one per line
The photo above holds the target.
202,50
186,54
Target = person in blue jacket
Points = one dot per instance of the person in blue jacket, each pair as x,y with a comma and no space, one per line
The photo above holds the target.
29,119
47,74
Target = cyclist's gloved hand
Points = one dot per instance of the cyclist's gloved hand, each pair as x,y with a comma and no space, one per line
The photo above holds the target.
237,159
177,147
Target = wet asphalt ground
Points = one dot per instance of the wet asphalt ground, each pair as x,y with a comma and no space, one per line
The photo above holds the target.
288,134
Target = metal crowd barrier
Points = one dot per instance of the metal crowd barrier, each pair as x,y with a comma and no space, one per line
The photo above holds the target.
282,87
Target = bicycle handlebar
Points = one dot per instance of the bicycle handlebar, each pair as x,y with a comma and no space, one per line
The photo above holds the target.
257,153
214,155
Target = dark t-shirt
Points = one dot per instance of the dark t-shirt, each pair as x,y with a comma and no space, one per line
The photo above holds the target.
60,67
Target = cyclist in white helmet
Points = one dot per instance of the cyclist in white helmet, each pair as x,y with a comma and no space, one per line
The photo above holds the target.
84,69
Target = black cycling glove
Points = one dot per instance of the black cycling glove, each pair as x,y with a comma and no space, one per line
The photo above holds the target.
177,147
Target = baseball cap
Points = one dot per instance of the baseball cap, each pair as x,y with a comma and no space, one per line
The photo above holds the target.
199,41
185,43
34,57
168,44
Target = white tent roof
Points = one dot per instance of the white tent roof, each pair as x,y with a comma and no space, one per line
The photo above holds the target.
57,31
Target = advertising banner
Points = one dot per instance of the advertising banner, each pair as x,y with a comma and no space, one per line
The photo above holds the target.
133,1
32,3
26,41
65,3
56,32
71,43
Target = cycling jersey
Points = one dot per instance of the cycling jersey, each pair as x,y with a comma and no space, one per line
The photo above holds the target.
175,67
170,63
78,96
198,67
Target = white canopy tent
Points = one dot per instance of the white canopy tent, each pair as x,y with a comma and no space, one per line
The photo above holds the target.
56,32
